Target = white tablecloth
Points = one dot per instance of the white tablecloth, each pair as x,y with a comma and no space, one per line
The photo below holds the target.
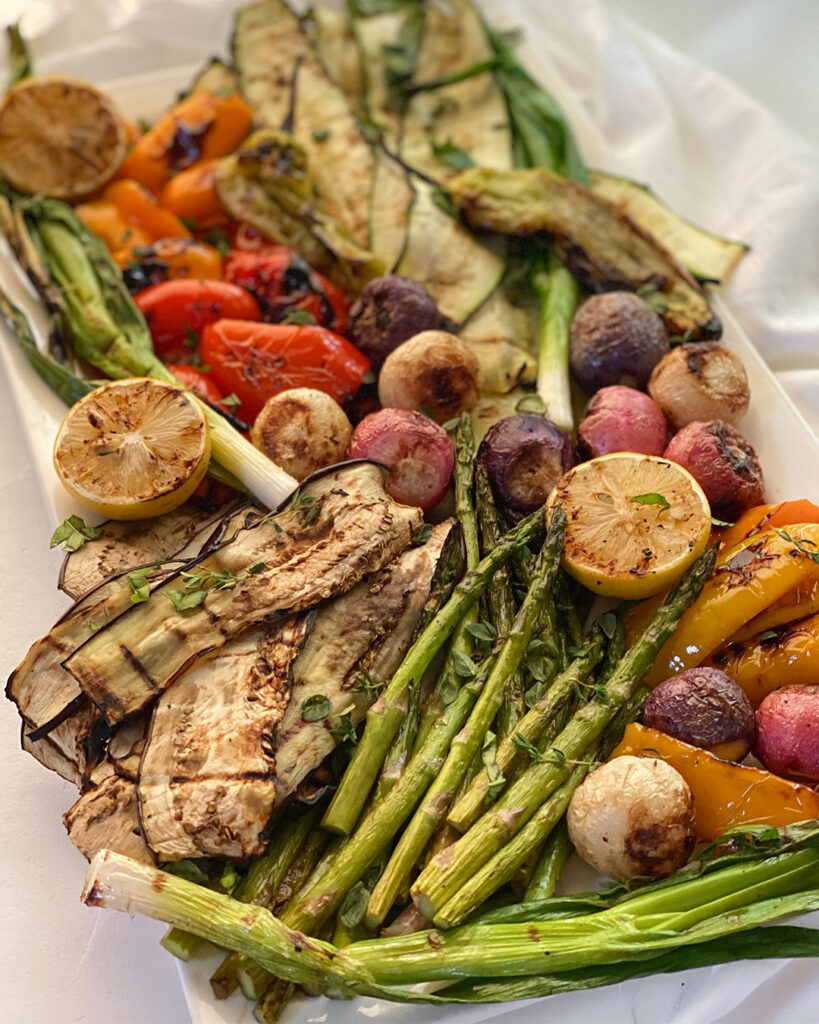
62,962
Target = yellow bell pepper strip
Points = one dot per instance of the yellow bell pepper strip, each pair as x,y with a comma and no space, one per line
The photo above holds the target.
797,604
725,794
761,666
766,517
202,126
759,572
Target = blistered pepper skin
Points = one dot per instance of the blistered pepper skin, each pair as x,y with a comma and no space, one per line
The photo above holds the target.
725,794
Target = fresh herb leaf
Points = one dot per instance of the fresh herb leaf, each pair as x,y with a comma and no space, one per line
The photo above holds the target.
72,533
345,732
769,634
185,602
463,665
603,498
254,570
422,535
802,544
444,201
366,684
522,743
315,708
292,315
608,624
320,134
143,124
451,155
223,579
232,401
191,337
720,522
187,869
483,632
448,690
229,878
140,587
191,580
451,424
354,906
189,222
217,237
651,498
496,782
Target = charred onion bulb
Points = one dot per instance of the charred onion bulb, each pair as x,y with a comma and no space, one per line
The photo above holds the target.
524,456
615,338
700,381
389,311
633,817
723,463
704,707
302,430
433,371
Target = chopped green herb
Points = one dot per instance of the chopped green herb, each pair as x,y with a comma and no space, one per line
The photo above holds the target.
603,498
189,222
218,238
352,910
72,533
185,602
140,587
232,401
191,337
522,743
143,124
366,684
254,570
802,544
320,134
230,878
608,623
483,632
652,498
345,732
191,580
422,535
292,315
720,522
452,424
451,155
315,708
445,203
769,634
223,579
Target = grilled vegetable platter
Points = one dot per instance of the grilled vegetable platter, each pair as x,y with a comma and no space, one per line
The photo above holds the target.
417,549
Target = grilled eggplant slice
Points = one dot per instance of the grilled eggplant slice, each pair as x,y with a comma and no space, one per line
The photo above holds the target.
126,545
598,243
284,81
206,781
107,818
356,640
340,528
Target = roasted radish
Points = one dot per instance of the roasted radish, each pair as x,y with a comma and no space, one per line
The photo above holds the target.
621,419
525,455
723,463
419,454
787,724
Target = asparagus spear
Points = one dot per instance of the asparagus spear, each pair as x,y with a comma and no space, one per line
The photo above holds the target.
502,867
384,717
462,645
468,741
401,748
453,867
500,597
530,728
552,860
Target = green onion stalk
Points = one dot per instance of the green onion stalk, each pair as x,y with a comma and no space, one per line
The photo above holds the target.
450,870
97,315
731,899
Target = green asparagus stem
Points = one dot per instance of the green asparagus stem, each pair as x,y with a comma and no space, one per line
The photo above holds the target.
401,749
180,944
274,1001
550,864
468,741
462,645
384,717
500,597
557,292
452,868
503,866
472,804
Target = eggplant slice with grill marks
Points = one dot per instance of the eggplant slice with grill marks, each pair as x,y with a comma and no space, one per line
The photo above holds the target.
206,781
337,530
228,744
123,546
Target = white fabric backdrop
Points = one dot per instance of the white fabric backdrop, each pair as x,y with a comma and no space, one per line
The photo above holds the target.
640,108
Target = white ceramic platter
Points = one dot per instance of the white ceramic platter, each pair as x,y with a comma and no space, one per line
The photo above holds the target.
789,454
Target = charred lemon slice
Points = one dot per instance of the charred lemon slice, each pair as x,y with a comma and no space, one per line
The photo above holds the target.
634,523
133,449
60,137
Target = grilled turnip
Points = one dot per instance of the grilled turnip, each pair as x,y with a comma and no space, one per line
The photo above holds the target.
419,454
434,371
621,419
723,463
704,707
633,817
788,731
615,339
389,310
302,430
700,381
525,455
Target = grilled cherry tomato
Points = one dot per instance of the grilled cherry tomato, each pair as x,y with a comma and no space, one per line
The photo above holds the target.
283,283
256,361
178,311
199,382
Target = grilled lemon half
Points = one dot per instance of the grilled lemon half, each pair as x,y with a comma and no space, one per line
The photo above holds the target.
59,136
133,449
634,523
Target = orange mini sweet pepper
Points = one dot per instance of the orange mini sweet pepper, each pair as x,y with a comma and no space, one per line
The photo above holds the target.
725,794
